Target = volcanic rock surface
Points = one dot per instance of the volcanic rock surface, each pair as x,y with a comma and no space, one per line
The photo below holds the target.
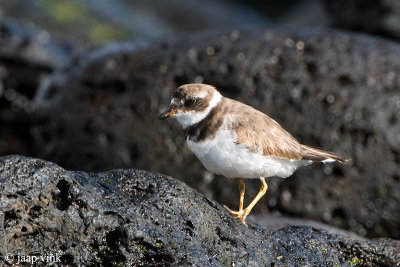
26,56
132,217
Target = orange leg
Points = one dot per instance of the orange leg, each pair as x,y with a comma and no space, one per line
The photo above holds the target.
242,213
242,187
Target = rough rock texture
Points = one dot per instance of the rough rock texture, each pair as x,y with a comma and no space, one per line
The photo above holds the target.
26,55
275,221
132,217
329,89
381,17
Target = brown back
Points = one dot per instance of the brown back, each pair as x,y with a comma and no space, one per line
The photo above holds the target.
259,132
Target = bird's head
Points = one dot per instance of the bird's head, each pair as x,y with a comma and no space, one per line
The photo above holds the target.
191,103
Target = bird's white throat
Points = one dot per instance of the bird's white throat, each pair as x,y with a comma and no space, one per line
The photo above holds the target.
187,119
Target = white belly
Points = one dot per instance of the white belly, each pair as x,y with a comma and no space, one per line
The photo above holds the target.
223,156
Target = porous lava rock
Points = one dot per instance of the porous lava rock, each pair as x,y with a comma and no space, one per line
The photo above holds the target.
131,217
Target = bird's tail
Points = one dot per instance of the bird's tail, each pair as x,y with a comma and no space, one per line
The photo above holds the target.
315,154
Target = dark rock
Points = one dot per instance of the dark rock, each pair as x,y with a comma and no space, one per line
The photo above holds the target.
276,221
380,17
132,218
329,89
26,56
29,46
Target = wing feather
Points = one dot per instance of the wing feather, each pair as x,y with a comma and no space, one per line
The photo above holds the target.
258,132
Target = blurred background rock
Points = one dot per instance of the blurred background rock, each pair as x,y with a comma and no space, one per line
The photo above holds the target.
73,93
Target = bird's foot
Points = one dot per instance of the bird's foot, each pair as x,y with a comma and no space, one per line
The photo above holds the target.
240,214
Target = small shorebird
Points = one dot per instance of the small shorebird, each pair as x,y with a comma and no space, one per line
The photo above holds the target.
237,141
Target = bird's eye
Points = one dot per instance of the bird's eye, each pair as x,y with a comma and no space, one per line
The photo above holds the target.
190,102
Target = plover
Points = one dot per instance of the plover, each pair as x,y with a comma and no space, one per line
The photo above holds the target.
237,141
